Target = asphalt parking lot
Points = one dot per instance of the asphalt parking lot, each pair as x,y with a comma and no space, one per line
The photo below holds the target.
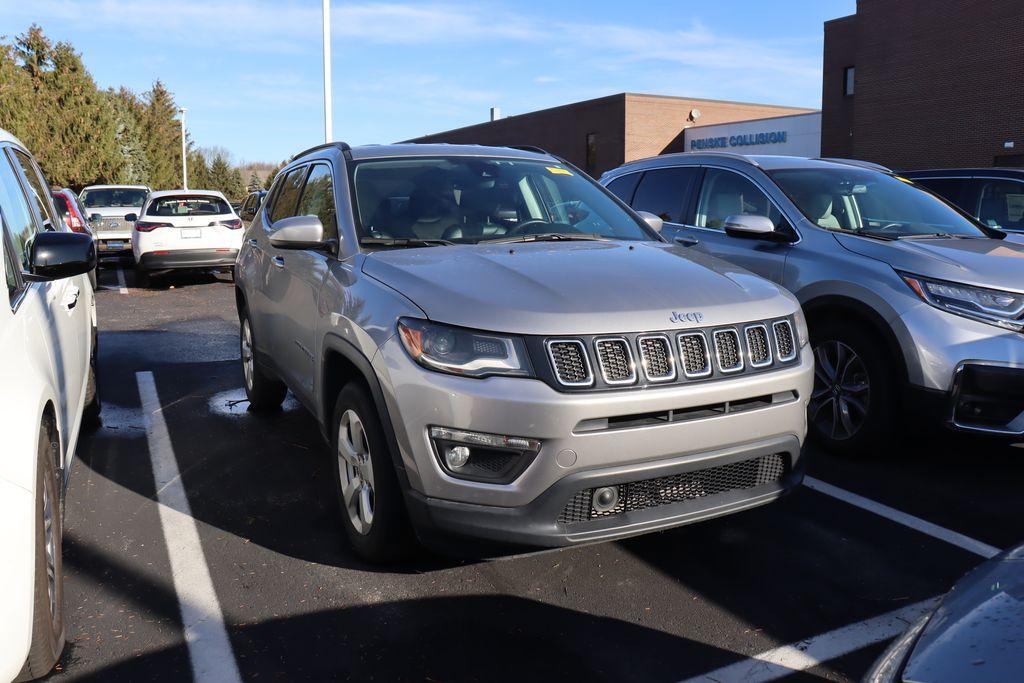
817,582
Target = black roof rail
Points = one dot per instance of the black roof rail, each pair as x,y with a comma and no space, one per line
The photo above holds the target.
345,148
857,162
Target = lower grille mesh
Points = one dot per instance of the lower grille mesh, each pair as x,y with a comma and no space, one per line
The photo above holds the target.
677,488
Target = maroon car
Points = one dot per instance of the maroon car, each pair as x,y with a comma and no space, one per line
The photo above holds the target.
73,215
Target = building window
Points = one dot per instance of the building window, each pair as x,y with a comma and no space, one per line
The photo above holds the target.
591,153
848,81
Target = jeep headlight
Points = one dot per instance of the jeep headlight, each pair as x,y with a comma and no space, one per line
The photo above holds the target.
991,306
461,351
802,334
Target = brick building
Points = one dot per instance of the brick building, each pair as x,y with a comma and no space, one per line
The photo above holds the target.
914,84
601,134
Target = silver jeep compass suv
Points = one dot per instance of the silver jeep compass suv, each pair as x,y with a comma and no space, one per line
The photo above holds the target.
496,347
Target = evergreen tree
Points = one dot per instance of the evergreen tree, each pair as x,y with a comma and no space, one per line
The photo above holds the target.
236,188
220,175
198,171
161,134
128,110
254,183
271,175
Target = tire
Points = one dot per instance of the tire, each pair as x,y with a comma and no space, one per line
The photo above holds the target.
91,413
855,400
379,533
47,605
264,392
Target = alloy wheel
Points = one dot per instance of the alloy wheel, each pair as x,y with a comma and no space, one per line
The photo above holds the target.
355,468
50,548
842,391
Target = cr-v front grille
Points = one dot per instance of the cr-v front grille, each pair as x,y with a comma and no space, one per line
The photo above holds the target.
636,360
569,358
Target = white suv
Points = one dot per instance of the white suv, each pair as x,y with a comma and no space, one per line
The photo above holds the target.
47,390
183,229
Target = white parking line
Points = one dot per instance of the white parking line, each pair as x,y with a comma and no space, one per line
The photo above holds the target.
208,645
934,530
809,653
122,288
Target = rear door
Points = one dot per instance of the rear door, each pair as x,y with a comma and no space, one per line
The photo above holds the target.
304,272
67,300
723,193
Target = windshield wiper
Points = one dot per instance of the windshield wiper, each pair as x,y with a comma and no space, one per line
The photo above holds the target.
864,233
547,237
403,242
945,235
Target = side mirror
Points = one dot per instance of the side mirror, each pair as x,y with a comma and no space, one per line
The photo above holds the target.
57,255
746,226
298,232
93,217
132,217
654,222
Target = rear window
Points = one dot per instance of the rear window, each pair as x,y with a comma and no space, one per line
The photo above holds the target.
113,196
188,205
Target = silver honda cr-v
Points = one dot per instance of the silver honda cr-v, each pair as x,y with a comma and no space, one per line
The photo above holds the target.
497,347
913,306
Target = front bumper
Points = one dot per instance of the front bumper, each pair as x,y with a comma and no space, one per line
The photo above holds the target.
527,509
188,258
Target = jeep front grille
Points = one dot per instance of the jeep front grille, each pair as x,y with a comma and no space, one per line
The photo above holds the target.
693,352
615,360
656,357
727,350
570,361
784,340
679,488
759,350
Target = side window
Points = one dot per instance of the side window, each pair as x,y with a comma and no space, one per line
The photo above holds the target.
318,199
39,193
1002,204
950,189
624,187
664,191
10,268
16,213
725,194
288,196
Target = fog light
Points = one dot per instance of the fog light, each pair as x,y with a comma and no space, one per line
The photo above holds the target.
605,498
456,456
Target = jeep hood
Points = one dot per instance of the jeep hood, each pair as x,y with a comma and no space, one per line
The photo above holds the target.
985,262
550,288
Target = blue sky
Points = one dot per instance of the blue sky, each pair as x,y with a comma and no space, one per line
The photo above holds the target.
250,70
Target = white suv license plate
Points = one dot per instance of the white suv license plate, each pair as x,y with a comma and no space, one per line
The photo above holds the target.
191,233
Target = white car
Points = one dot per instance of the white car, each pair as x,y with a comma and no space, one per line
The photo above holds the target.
183,229
47,392
107,207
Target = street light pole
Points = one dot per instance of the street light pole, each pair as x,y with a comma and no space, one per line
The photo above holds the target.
184,159
328,133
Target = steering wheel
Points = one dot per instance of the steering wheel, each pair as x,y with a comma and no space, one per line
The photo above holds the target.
529,227
890,226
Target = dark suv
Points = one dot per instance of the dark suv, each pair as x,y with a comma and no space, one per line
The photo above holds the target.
995,196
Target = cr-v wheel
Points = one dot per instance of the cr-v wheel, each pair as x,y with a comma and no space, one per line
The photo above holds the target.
853,405
369,496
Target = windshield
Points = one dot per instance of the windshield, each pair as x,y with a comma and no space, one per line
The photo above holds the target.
473,199
189,205
864,201
113,196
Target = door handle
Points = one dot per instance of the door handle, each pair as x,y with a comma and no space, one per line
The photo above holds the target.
253,242
71,297
278,261
687,241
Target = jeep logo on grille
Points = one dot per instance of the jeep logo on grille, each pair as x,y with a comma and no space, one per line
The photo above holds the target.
692,317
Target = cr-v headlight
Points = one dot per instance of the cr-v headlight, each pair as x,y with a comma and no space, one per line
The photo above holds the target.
459,351
991,306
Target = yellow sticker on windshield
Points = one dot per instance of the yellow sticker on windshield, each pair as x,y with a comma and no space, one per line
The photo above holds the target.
558,171
909,182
